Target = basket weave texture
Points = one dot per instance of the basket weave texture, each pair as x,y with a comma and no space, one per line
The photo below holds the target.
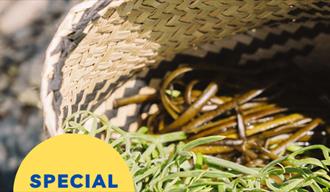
103,43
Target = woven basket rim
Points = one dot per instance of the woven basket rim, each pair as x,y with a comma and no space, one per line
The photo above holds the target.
60,47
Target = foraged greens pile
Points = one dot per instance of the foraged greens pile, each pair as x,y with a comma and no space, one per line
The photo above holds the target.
165,163
258,126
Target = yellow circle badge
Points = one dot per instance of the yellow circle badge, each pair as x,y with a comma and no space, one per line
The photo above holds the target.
73,162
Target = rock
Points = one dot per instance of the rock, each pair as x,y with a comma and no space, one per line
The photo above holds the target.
20,14
5,5
3,82
26,28
29,97
6,105
32,131
29,75
34,76
12,163
3,155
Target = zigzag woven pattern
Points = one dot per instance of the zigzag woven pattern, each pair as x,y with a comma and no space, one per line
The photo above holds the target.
311,37
130,35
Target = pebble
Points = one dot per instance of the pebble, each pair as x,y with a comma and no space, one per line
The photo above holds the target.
21,14
6,105
23,42
29,97
3,155
4,81
4,5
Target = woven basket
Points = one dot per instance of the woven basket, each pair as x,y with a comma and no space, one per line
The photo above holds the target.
104,49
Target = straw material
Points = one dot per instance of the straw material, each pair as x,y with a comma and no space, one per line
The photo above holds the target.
101,44
304,45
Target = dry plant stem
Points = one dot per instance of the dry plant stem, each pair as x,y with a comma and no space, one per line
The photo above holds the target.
276,139
269,125
265,151
252,109
306,137
150,121
221,109
231,122
278,131
168,105
285,128
249,153
273,96
188,91
244,149
208,107
296,136
195,108
218,100
178,101
161,124
229,142
283,137
134,100
212,150
240,123
252,105
251,114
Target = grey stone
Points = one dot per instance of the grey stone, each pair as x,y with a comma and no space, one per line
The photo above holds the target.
3,81
21,14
